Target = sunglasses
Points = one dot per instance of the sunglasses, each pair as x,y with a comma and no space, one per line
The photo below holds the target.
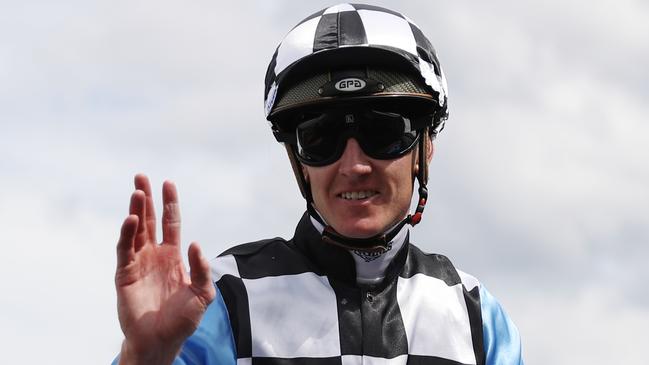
322,137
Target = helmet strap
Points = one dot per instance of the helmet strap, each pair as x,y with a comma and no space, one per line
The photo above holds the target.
304,186
422,179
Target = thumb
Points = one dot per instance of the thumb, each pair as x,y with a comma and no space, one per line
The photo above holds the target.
199,272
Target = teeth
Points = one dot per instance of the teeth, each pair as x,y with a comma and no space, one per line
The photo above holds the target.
356,195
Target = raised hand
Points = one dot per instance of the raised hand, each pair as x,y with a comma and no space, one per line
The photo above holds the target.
158,303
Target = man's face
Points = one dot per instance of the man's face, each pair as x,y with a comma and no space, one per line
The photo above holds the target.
360,196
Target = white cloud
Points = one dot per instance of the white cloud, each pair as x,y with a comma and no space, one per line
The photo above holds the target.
57,263
589,326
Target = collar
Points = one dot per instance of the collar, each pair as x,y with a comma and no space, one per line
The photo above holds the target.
349,266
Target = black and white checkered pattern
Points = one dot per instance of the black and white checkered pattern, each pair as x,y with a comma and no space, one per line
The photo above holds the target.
353,26
297,302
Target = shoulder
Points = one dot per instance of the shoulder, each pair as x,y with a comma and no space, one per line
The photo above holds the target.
502,340
438,266
269,257
252,248
502,343
469,281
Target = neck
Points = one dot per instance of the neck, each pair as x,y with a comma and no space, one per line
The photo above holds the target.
372,264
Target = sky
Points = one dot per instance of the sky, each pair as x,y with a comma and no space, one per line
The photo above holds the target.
538,183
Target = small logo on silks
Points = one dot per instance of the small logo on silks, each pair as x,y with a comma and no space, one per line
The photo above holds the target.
350,84
371,256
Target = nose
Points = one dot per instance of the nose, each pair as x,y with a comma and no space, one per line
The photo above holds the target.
354,162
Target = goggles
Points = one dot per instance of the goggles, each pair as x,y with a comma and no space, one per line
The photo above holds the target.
322,137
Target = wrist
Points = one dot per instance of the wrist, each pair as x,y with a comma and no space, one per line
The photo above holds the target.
134,355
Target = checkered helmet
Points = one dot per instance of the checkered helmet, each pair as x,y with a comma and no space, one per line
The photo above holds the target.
351,53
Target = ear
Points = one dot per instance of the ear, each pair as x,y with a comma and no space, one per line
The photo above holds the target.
305,172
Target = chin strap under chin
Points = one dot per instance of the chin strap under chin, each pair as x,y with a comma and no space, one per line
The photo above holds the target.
379,243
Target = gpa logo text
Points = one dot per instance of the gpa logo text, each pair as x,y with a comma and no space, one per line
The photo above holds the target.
350,84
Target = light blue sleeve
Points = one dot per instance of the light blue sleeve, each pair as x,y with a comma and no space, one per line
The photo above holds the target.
502,342
213,342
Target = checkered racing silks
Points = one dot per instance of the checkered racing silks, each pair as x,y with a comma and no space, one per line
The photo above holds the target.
297,302
360,28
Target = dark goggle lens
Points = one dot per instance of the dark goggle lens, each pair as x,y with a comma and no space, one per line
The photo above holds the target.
318,139
321,138
387,136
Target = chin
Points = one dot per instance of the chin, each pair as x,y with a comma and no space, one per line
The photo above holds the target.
360,229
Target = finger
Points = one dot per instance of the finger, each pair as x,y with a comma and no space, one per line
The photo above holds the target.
142,183
138,207
126,241
199,271
170,214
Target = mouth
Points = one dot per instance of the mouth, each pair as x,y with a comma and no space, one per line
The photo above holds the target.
357,195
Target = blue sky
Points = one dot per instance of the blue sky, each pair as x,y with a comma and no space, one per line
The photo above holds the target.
539,181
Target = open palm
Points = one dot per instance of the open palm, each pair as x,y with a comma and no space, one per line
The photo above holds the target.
159,303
